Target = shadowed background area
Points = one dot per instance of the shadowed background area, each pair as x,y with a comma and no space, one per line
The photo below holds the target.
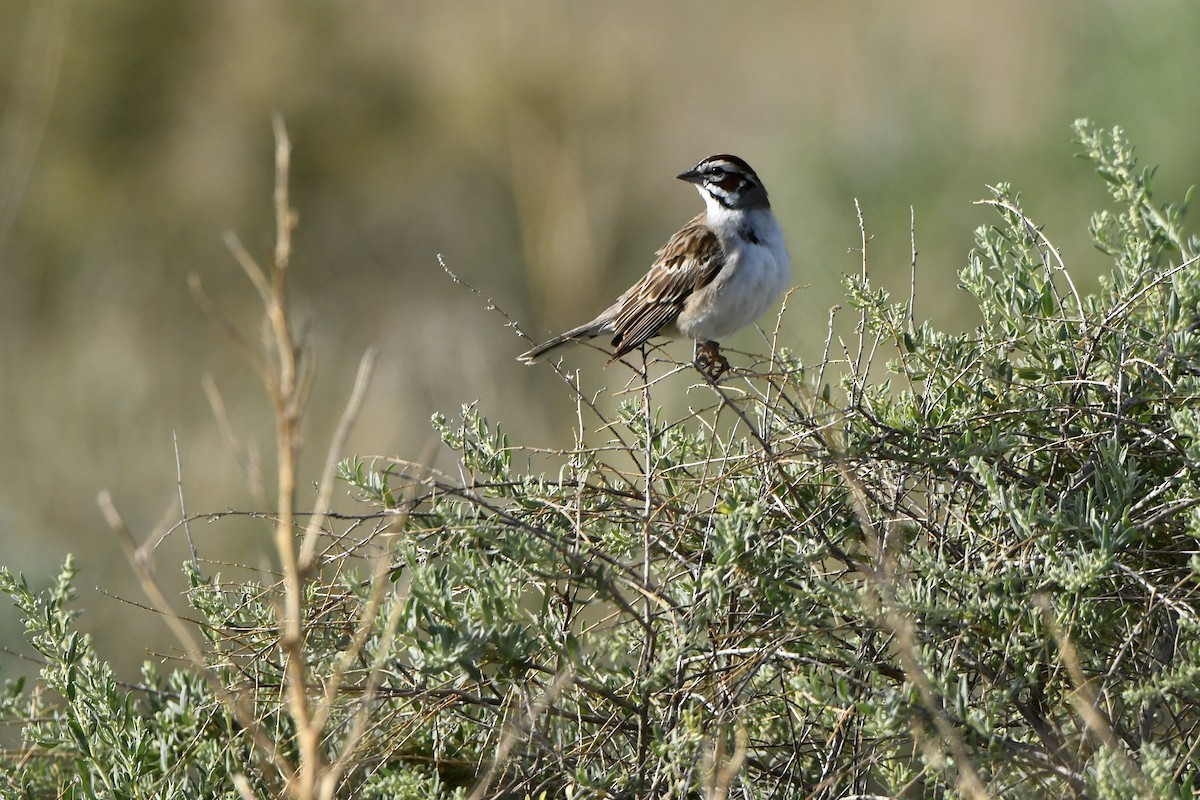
533,144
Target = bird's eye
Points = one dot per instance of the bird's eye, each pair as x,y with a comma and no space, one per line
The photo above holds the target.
716,173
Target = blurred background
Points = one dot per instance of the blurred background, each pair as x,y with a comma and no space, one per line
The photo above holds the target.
534,144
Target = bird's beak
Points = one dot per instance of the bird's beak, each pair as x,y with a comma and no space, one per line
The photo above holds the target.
691,176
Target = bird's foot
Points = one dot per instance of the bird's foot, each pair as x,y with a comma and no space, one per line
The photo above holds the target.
709,360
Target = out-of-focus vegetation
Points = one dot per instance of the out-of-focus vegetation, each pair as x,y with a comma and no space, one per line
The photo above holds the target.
532,143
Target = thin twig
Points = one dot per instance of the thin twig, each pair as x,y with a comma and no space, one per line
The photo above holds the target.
187,528
247,457
337,446
912,275
862,319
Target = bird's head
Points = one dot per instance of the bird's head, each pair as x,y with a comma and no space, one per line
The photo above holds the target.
729,182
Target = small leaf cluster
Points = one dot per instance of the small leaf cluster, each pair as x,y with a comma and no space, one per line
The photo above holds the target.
86,735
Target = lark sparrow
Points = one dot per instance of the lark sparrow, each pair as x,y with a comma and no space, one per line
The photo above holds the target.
719,273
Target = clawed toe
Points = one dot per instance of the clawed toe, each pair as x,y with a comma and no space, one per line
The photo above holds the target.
709,360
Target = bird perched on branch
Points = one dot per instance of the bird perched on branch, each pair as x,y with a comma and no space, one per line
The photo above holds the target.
719,273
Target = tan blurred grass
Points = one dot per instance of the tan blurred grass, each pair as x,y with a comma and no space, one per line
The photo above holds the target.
534,144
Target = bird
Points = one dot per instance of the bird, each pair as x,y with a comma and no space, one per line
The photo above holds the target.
717,274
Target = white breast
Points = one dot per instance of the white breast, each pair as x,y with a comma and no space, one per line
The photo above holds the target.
753,278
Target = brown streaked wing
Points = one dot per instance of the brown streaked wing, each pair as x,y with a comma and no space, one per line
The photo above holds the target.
687,263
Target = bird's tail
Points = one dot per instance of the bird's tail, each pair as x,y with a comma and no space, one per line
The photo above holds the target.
573,336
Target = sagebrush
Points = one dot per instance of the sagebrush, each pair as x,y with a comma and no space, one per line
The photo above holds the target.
931,565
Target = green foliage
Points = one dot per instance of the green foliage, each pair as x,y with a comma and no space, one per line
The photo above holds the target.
975,577
87,736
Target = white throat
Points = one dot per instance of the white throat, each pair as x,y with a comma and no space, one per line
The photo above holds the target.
719,216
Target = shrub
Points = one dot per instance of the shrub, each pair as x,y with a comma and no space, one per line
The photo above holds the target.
971,571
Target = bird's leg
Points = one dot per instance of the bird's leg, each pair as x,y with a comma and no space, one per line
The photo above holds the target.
708,360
